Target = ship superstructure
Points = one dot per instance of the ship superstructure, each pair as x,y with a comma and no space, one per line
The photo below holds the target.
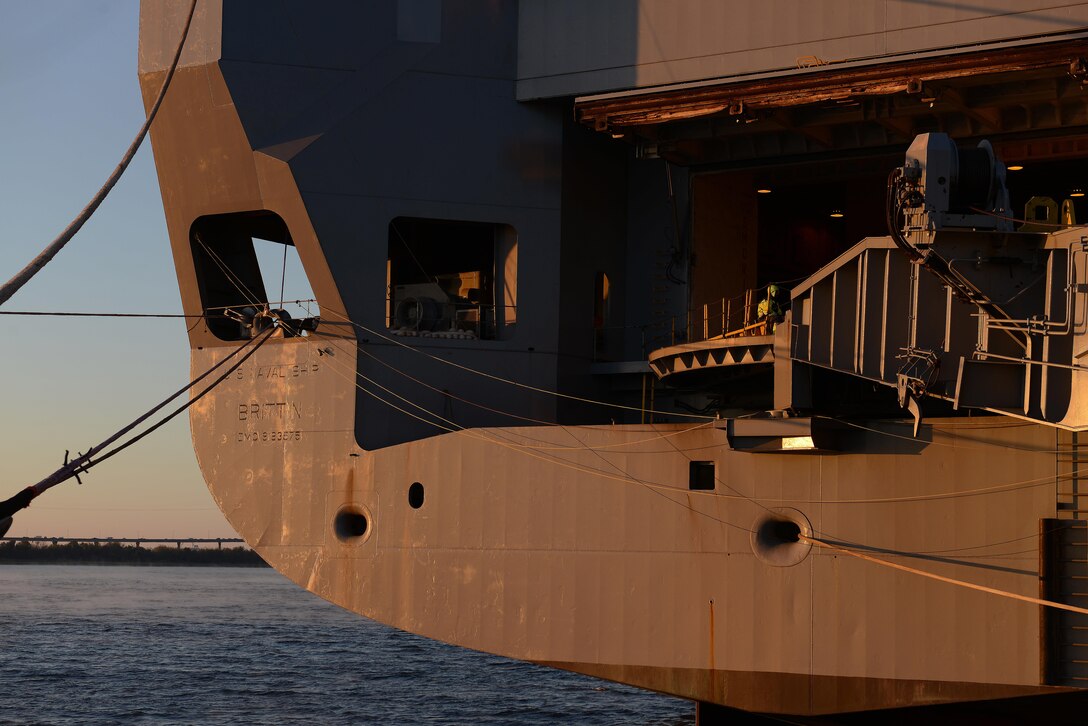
544,403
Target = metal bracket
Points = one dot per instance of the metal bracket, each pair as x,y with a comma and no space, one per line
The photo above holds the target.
910,391
77,469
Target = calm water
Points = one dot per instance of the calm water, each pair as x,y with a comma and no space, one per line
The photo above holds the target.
216,645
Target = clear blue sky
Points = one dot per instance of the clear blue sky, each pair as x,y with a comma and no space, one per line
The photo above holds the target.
69,106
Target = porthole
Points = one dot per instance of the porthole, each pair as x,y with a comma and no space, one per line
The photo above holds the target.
415,495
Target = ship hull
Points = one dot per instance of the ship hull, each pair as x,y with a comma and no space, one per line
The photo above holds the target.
583,548
377,476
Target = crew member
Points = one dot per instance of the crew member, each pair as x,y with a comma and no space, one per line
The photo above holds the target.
770,309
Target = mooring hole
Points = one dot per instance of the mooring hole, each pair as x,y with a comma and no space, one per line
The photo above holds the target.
350,524
777,537
776,532
415,495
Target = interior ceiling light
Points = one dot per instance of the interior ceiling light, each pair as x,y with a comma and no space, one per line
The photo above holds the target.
1014,167
1078,192
763,190
837,214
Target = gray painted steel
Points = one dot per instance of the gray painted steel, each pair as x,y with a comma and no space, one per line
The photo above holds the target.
573,47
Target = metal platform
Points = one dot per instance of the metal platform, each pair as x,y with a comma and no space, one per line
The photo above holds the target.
748,350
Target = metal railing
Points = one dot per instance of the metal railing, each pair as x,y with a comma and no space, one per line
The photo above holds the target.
733,317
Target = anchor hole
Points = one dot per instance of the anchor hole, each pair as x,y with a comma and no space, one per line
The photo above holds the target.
350,524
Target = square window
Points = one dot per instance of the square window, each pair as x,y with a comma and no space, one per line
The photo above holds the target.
701,475
451,277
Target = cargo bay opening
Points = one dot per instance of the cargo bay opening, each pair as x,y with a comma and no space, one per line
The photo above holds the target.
780,224
777,225
784,174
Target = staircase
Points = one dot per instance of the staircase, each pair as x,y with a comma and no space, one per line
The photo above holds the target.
1009,336
1072,501
875,314
1065,579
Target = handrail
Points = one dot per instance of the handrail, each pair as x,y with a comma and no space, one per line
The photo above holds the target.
729,317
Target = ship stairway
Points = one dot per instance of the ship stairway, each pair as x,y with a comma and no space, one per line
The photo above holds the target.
874,313
1072,490
1009,338
1065,580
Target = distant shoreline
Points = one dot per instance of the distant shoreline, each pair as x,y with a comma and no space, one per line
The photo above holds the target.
78,553
122,563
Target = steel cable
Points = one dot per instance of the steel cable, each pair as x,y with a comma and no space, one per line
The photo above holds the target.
83,462
941,578
34,266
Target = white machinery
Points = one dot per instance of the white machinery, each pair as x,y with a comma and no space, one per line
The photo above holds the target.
422,306
941,186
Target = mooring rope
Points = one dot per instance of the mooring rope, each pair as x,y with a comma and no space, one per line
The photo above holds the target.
942,578
52,314
34,266
508,381
83,462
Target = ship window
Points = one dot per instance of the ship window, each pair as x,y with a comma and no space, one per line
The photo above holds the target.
246,262
415,495
701,475
451,279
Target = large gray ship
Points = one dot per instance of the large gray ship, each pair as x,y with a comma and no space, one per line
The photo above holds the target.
724,349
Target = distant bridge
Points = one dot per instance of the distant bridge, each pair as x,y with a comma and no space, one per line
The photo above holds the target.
129,540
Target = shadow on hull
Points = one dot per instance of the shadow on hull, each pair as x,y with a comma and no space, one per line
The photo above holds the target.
1057,709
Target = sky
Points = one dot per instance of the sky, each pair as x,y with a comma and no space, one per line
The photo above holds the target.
69,106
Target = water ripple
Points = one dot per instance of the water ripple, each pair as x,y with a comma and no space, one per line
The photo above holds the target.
163,646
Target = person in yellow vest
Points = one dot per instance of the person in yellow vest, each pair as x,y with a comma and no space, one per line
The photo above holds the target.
770,310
